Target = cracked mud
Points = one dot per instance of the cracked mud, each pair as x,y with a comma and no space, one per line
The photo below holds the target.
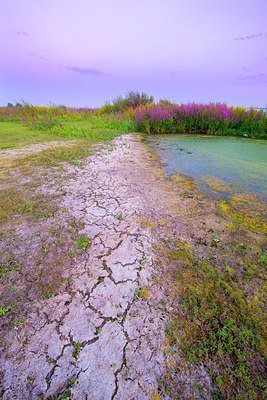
104,338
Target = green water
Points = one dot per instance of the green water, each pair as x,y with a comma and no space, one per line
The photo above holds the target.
222,166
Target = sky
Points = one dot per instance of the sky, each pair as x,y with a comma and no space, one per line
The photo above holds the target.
87,52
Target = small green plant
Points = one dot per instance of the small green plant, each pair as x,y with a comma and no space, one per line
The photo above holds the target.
3,311
163,304
142,292
72,380
262,259
119,216
77,346
82,242
72,254
31,378
66,395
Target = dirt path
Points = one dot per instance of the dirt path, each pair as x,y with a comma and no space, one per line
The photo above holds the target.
34,148
104,339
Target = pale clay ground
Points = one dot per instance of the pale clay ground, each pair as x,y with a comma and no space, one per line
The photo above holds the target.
121,335
34,148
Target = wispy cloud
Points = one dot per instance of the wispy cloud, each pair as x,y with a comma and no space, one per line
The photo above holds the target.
259,78
84,71
22,33
35,54
257,35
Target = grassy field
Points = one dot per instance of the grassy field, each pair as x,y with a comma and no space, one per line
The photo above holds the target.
15,134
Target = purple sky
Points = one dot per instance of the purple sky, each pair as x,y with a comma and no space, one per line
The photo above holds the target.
85,52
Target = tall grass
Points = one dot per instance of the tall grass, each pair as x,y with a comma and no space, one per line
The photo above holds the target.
138,112
213,118
64,122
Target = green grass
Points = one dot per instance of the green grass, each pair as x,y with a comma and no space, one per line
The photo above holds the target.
94,128
15,134
82,242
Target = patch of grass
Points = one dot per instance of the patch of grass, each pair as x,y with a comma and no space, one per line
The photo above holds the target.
243,219
142,292
146,223
77,346
9,263
96,128
26,125
37,208
15,202
82,242
66,395
9,200
30,164
3,311
53,157
219,321
15,134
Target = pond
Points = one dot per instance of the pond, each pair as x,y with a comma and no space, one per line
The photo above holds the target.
222,166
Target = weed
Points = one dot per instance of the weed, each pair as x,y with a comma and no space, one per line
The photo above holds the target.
262,259
146,223
142,292
82,242
3,311
9,263
119,216
163,304
77,346
31,378
187,194
72,254
66,395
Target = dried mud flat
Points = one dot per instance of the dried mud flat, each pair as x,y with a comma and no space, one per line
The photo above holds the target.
104,337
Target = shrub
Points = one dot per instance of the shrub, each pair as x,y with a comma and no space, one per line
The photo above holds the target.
132,100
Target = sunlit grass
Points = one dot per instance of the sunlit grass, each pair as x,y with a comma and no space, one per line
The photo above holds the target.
15,134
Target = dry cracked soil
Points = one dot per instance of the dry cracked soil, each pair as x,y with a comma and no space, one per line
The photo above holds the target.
104,337
33,148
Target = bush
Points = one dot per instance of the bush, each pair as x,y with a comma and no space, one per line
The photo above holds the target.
132,100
